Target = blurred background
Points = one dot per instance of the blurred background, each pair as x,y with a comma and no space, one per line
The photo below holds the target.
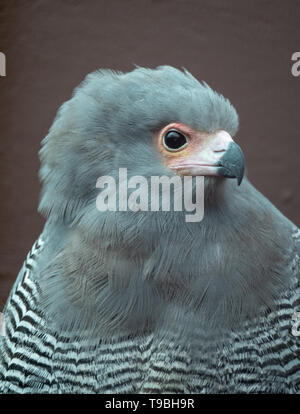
240,48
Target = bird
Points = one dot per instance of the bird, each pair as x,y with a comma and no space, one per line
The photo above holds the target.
141,301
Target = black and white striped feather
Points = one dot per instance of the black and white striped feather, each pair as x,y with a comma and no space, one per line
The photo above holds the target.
261,357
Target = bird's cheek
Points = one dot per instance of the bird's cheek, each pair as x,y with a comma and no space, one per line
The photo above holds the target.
196,160
193,152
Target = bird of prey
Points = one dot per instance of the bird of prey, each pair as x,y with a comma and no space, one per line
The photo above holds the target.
124,301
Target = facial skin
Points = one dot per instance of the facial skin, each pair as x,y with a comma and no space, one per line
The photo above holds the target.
187,151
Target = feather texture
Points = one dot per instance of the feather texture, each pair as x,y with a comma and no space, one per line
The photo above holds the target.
144,301
262,357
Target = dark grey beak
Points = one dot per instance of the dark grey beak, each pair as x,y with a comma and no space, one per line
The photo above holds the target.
232,164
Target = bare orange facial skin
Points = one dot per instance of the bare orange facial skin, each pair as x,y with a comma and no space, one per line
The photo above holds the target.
196,143
199,156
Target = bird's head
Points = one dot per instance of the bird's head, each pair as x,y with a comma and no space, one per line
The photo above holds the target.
120,267
152,122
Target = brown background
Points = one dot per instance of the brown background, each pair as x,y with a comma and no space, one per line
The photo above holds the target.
241,48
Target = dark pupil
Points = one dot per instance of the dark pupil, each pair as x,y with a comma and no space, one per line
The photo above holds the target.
174,140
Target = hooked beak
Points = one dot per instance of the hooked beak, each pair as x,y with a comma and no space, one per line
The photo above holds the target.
232,163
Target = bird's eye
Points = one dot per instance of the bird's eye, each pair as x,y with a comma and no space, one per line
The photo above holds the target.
174,140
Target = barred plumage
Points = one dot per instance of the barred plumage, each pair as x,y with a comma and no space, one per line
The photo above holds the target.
263,357
144,301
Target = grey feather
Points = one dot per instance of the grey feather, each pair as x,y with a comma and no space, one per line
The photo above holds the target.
172,300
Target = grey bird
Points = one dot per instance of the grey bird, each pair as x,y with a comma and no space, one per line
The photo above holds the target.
124,301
